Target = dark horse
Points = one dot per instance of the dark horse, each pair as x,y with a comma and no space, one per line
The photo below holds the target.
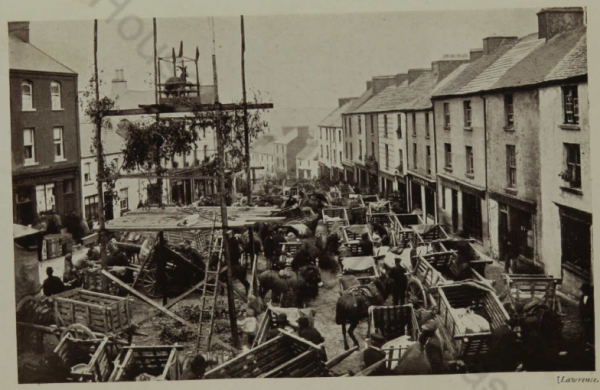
353,305
304,284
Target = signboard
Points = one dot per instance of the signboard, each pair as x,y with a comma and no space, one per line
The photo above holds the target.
423,182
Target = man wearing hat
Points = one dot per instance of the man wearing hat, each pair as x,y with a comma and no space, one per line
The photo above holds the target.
282,323
308,332
433,348
398,275
52,285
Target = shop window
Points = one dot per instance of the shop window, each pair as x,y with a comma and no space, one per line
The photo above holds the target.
575,244
45,197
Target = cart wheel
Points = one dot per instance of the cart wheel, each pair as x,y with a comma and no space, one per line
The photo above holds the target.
415,294
78,332
149,284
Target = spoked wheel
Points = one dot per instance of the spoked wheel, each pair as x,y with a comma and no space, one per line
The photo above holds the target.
148,283
416,294
78,332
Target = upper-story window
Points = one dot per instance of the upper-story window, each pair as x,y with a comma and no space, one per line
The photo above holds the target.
87,173
467,112
27,95
340,135
470,160
399,130
205,151
59,151
55,94
385,125
29,146
446,114
511,166
448,156
359,126
373,123
414,123
427,124
509,110
572,175
387,157
571,105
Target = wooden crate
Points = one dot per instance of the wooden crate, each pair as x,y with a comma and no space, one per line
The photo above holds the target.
393,321
370,198
425,234
407,220
355,232
87,366
100,312
364,268
335,212
274,358
427,274
92,281
523,288
158,361
270,322
465,251
485,303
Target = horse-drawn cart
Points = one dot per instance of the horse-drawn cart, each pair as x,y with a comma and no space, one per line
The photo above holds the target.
424,234
143,363
363,269
270,321
335,215
523,288
391,329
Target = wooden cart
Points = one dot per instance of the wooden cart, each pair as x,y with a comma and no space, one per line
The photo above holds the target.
335,214
99,312
158,361
285,356
91,359
369,199
92,281
466,252
351,236
405,233
425,234
390,323
523,288
287,252
364,268
469,347
270,320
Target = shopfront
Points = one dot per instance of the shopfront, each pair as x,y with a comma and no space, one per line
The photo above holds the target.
422,196
464,208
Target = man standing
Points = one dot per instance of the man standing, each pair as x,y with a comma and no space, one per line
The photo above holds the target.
52,285
586,311
398,275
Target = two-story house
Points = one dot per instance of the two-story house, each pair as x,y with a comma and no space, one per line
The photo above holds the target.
332,144
294,139
307,161
44,131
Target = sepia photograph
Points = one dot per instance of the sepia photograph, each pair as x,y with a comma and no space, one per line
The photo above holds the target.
300,195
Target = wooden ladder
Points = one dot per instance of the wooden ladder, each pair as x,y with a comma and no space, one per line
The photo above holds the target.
210,292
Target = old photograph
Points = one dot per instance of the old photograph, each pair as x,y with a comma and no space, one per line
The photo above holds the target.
301,195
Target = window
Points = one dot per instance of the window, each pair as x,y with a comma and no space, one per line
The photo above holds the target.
576,243
387,157
360,153
385,125
508,110
346,150
27,95
428,152
467,112
205,151
373,149
44,196
91,207
470,162
321,151
573,173
448,156
68,187
511,166
124,199
400,160
399,130
340,156
350,125
87,174
58,144
327,134
446,114
350,147
55,95
427,124
321,133
334,157
443,194
29,146
571,105
414,123
373,121
327,152
414,156
340,135
204,132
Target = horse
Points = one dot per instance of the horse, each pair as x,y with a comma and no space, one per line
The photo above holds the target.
353,305
304,283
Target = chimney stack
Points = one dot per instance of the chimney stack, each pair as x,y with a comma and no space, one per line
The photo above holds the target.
382,82
553,21
414,74
343,101
119,84
491,44
448,64
369,84
400,78
19,30
475,54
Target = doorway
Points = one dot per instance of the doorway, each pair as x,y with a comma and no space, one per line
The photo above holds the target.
415,196
454,211
472,223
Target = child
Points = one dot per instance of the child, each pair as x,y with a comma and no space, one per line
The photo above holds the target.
248,326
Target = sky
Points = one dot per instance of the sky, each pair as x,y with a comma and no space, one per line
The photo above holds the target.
292,61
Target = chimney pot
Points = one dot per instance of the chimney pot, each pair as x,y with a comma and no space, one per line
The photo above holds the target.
553,21
400,78
414,74
382,82
369,84
19,30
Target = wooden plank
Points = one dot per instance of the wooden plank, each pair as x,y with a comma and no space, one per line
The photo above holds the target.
369,370
339,358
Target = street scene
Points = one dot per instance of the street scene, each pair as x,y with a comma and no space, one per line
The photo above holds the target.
301,196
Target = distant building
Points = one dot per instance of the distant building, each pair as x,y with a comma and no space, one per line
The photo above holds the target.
44,131
307,161
287,147
262,155
333,145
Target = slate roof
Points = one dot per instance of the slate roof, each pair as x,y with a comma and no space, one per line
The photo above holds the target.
112,142
289,137
334,119
25,56
260,145
384,101
528,61
418,94
357,103
309,152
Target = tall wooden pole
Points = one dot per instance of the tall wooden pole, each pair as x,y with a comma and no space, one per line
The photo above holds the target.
224,225
247,139
155,64
100,160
